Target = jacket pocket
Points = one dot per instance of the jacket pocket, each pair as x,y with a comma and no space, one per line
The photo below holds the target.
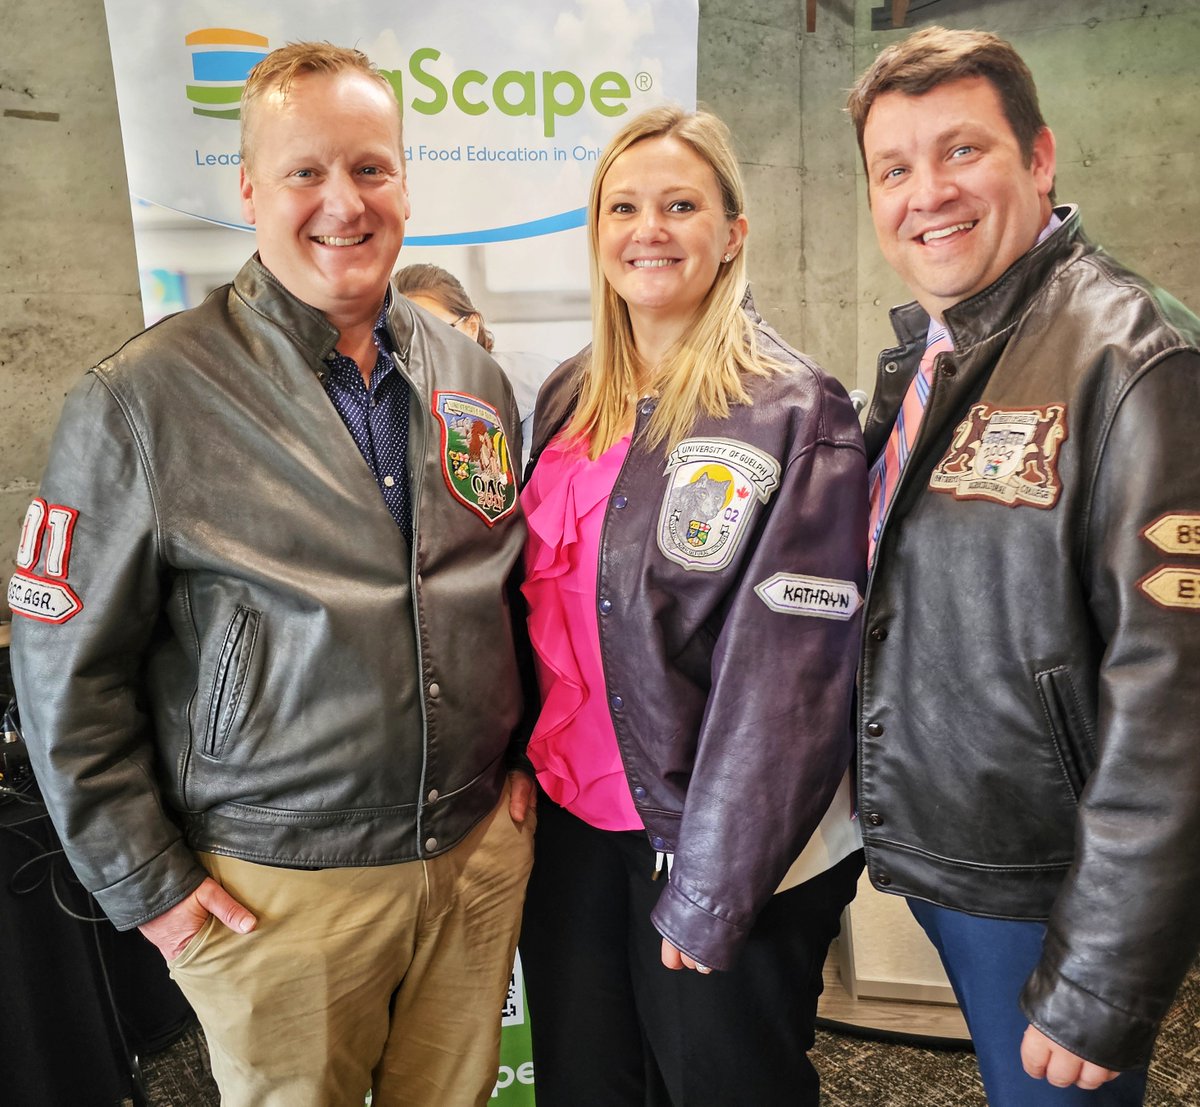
1068,726
229,681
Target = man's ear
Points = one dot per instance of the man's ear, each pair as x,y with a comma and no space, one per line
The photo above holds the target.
247,189
1042,162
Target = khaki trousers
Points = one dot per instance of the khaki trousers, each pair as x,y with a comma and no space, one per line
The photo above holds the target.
390,978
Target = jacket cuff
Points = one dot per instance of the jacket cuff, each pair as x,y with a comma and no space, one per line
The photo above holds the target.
156,887
1087,1025
706,938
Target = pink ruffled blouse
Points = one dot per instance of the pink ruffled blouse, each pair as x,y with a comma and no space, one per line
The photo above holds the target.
573,747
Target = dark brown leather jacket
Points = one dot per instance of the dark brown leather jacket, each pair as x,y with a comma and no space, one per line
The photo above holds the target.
260,667
729,637
1029,687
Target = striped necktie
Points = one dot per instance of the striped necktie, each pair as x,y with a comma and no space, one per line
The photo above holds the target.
885,473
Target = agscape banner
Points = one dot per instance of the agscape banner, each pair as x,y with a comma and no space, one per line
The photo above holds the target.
506,105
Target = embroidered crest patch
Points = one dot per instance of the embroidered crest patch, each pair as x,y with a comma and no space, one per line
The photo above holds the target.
475,459
1175,533
714,489
47,598
1173,586
1005,455
793,594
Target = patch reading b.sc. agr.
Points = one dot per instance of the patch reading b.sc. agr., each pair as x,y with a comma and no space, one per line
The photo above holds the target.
1009,456
715,486
819,597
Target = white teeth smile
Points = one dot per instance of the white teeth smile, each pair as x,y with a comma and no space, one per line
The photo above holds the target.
945,232
330,240
652,263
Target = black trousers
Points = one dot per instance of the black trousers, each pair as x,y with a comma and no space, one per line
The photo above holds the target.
613,1028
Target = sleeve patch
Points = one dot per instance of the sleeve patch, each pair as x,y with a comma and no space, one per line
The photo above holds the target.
1173,586
1175,533
48,598
819,597
47,601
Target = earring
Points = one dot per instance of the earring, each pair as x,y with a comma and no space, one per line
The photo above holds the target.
727,257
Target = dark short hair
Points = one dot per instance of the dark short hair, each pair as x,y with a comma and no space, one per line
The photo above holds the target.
934,56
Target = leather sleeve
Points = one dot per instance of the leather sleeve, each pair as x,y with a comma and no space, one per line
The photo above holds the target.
1126,924
775,738
88,734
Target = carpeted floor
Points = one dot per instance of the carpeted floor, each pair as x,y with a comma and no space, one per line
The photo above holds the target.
855,1071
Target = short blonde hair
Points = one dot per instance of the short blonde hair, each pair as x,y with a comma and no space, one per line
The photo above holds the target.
704,373
281,68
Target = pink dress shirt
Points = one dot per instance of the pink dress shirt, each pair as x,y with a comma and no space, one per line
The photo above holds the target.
573,747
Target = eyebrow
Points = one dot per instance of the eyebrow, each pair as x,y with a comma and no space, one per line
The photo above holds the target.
943,138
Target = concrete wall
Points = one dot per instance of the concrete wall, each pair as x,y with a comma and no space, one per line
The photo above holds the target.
1117,83
68,280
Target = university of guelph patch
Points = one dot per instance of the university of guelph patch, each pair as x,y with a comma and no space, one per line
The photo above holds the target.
1006,455
46,597
475,459
715,486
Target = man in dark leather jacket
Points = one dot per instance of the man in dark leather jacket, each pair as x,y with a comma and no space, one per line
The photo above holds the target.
267,665
1029,772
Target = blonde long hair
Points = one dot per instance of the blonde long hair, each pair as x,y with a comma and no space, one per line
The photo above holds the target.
704,371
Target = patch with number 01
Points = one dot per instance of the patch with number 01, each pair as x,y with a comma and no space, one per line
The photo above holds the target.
46,537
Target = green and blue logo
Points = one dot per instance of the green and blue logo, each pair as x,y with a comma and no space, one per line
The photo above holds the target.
221,60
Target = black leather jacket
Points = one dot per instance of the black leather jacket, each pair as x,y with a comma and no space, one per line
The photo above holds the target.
1029,689
259,667
732,708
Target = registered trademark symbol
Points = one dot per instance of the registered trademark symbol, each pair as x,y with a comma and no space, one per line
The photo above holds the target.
643,81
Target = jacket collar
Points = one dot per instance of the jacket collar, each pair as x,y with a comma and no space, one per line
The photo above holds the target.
1003,302
263,294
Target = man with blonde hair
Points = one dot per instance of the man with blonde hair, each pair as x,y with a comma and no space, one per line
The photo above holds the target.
266,664
1029,776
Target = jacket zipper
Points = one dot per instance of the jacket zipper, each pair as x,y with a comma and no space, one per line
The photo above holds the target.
415,479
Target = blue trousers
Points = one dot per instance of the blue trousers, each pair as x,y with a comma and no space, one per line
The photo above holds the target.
988,962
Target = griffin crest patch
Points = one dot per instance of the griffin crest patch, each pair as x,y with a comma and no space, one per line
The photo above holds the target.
475,461
1006,455
715,487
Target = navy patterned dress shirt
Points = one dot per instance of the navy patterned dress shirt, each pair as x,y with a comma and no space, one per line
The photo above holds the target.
376,416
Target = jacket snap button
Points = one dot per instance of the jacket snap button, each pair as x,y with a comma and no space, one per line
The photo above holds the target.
619,502
891,367
874,729
617,703
605,606
658,843
875,819
648,409
431,844
639,793
433,795
435,690
950,370
879,633
883,880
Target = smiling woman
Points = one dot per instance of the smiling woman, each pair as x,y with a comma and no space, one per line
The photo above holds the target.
697,519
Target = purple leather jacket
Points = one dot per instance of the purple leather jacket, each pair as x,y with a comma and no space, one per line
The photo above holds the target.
728,593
